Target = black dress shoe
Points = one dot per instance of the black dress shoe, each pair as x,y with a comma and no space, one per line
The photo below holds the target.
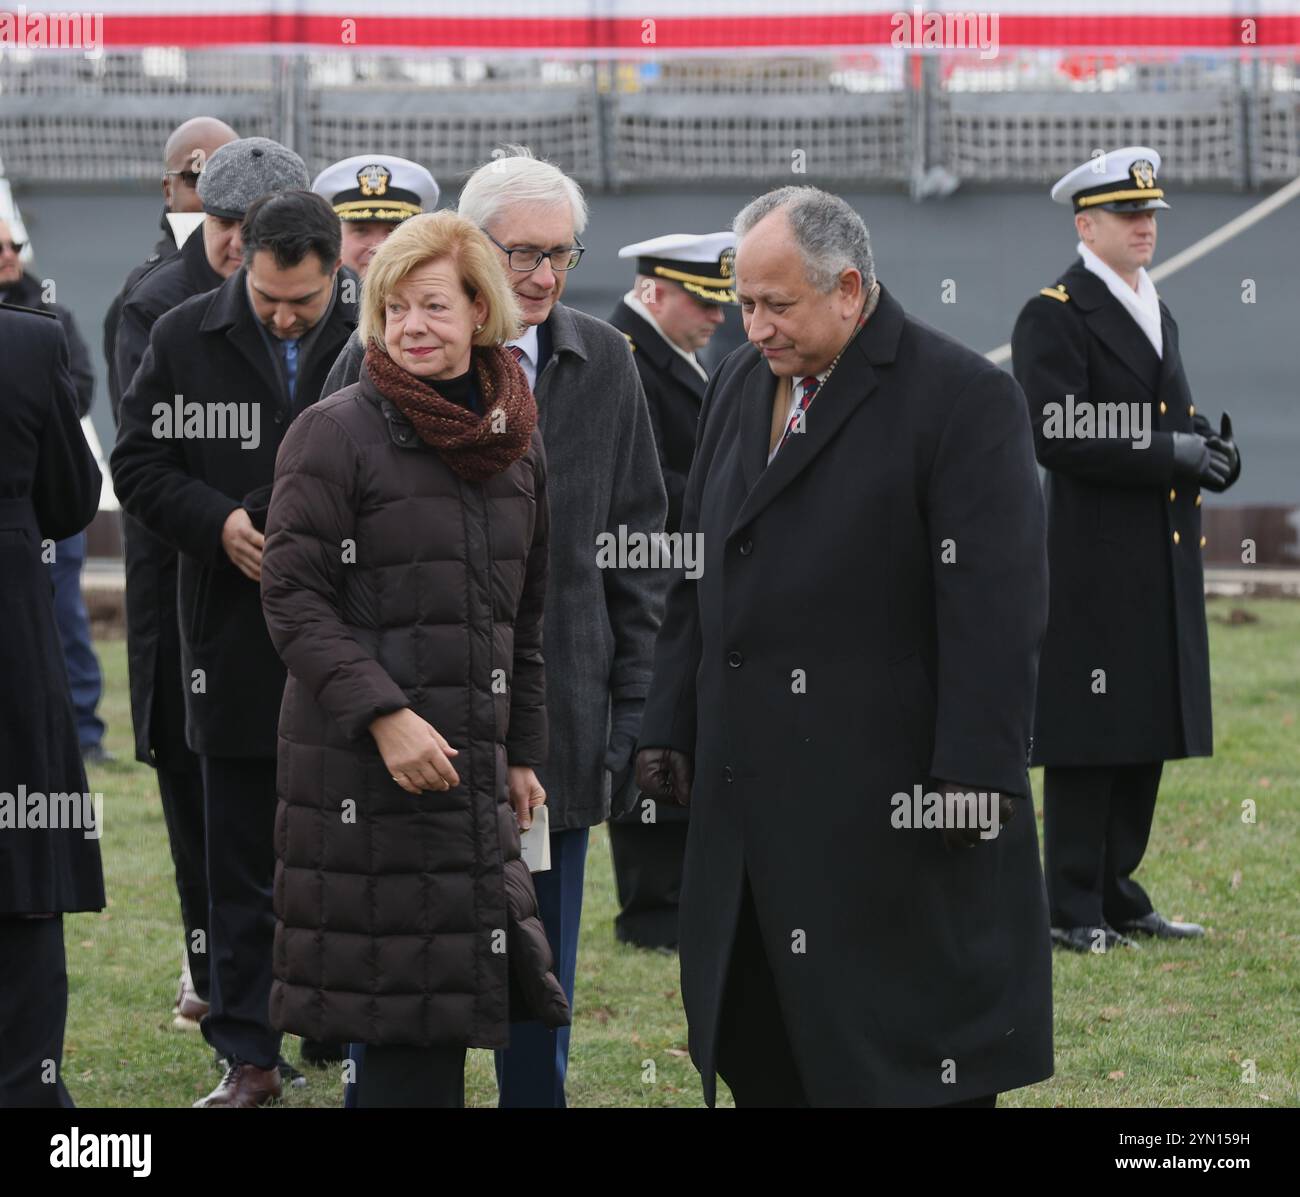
1098,940
319,1053
1157,925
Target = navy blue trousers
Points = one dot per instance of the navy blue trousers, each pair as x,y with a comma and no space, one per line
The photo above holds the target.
531,1071
84,676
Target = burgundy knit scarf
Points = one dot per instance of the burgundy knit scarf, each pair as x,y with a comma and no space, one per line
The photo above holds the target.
475,447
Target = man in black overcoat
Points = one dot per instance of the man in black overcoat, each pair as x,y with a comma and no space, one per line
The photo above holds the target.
224,375
848,681
49,490
683,284
152,637
1125,678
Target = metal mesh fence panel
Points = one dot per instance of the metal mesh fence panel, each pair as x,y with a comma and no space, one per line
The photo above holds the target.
835,119
1021,116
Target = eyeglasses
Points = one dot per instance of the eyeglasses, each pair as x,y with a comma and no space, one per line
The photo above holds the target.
16,246
527,260
190,177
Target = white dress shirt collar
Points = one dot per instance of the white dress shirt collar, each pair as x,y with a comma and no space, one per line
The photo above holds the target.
528,343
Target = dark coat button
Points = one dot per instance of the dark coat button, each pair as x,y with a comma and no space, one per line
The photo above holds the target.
746,547
734,659
727,774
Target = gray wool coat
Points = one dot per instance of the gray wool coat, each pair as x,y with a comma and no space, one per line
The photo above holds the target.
599,624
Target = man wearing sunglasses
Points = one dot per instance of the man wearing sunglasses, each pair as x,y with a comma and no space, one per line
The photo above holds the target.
184,156
601,623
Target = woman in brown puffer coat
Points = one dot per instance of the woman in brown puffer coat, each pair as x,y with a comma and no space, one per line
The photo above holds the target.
402,580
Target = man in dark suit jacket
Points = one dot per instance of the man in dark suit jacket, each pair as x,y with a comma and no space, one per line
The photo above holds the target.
844,696
1125,680
684,281
224,375
49,490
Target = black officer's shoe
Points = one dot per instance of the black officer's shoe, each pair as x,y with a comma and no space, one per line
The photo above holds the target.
1157,925
1090,939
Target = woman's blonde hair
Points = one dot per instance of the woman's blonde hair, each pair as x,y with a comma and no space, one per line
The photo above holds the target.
426,238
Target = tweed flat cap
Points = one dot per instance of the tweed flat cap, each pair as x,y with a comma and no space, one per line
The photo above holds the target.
244,170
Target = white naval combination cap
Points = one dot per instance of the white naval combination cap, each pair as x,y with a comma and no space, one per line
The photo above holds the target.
1119,181
703,263
377,187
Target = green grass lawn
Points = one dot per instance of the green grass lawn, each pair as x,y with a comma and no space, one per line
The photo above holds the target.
1171,1025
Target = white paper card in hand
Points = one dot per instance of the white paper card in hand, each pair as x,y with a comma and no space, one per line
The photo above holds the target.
535,843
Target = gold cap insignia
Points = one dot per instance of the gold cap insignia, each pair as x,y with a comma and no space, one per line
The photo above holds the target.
373,179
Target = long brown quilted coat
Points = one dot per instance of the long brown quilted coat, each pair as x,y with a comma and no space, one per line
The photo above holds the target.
387,581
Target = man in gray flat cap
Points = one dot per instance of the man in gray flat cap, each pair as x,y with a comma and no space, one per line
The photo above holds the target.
233,175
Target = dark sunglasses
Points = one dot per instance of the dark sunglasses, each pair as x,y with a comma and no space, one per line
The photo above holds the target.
190,177
16,246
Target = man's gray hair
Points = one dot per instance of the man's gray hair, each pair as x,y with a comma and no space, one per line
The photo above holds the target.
516,176
831,236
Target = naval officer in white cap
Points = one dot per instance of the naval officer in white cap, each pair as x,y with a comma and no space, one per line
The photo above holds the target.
372,194
684,283
1124,679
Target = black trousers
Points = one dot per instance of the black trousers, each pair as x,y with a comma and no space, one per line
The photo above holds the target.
1096,824
754,1053
180,785
648,873
393,1077
33,1010
239,800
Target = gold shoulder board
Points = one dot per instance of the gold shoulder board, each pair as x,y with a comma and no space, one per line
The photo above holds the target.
1057,292
631,344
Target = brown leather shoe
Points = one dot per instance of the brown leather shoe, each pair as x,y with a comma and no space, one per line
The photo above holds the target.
244,1087
190,1009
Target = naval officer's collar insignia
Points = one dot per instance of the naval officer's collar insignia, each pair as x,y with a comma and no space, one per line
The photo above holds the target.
373,179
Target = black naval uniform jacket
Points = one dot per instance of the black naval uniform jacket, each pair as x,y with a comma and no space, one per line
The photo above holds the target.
866,623
49,489
1124,538
674,392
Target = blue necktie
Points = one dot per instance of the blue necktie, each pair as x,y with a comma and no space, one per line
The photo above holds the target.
291,363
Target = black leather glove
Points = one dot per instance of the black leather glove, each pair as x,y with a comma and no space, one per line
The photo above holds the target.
1223,443
665,774
625,722
1196,459
957,839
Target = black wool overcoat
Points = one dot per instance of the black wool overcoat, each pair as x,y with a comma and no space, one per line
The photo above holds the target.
1125,675
181,487
867,621
49,490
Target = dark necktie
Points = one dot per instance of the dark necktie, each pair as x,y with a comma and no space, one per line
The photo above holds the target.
810,386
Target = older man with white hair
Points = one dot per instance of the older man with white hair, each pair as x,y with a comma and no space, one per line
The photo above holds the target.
601,618
844,696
